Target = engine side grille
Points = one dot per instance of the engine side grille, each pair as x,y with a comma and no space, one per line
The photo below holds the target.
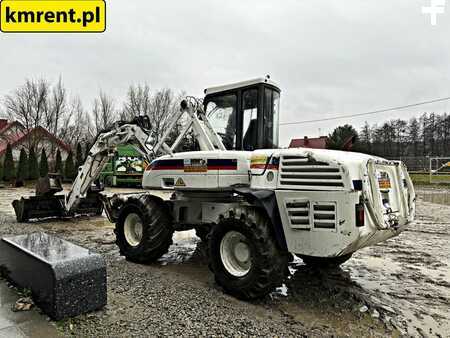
298,214
324,215
301,172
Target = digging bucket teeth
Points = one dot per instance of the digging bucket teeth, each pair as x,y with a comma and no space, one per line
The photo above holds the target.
46,203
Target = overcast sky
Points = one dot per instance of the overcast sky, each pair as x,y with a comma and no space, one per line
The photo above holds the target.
329,57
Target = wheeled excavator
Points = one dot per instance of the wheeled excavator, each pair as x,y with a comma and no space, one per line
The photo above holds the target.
253,203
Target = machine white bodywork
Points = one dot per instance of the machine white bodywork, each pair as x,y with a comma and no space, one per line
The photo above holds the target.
252,207
316,193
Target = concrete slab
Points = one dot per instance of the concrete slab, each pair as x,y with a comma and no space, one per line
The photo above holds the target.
4,323
7,296
11,332
24,324
38,329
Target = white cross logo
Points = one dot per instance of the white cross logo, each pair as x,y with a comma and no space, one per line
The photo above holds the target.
436,7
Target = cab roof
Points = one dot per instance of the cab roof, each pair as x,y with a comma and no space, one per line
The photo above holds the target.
218,89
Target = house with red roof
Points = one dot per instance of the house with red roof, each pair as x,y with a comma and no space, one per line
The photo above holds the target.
319,143
14,133
306,142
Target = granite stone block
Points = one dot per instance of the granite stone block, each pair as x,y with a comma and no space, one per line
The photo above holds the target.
65,279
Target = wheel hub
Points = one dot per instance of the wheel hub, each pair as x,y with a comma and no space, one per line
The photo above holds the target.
133,229
235,254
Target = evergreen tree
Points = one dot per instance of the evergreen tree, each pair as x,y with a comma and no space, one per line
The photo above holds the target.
58,163
8,165
43,164
79,158
69,170
1,171
340,136
86,150
33,166
22,169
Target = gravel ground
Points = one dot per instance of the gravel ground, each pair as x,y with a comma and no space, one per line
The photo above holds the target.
399,287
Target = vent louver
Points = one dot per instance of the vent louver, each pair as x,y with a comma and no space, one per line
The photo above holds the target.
301,172
298,213
324,215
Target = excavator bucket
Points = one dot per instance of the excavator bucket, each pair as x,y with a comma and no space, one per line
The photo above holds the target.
48,204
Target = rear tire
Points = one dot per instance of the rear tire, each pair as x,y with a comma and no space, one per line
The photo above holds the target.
325,262
144,229
244,256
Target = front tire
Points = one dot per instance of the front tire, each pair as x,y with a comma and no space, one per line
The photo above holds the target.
144,229
244,255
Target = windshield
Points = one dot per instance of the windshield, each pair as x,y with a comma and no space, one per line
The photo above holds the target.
221,112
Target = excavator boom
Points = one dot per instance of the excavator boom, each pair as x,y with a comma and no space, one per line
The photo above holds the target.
84,197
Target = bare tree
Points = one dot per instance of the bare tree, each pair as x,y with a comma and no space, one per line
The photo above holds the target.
57,110
76,125
29,103
138,102
104,113
57,107
163,106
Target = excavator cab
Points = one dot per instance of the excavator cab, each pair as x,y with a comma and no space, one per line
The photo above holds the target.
245,114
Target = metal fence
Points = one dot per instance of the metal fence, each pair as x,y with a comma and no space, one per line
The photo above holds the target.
415,163
439,169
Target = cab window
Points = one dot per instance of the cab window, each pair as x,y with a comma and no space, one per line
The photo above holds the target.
250,119
221,112
271,118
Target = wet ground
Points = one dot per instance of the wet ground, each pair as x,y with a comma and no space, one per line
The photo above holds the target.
31,324
409,276
400,287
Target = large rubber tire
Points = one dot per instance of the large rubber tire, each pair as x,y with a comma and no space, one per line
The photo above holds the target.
325,262
268,264
157,230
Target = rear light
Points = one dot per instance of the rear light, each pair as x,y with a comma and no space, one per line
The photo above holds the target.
359,215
